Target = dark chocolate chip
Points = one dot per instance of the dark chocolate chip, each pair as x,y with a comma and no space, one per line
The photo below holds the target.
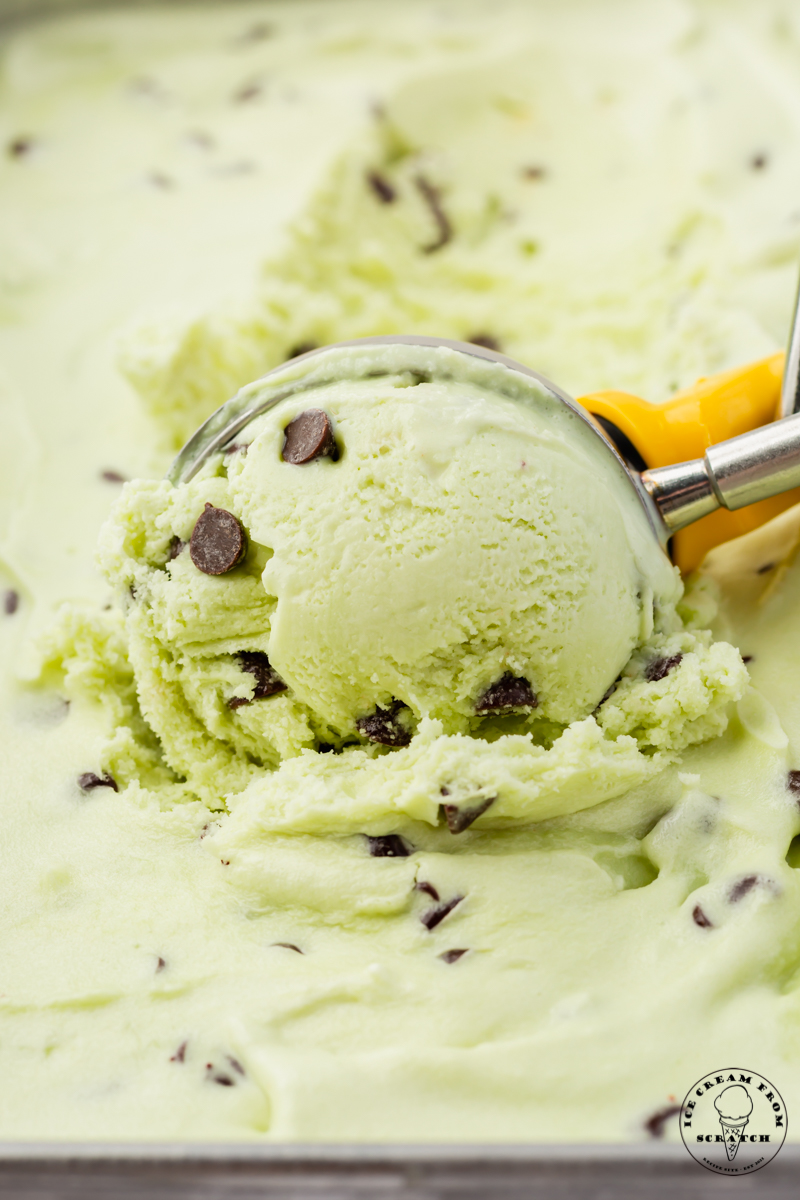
326,748
765,569
486,340
459,819
113,477
451,956
655,1124
385,727
659,668
176,547
301,348
161,964
180,1053
607,694
435,916
309,436
793,783
18,147
700,918
268,681
509,693
289,946
432,197
10,602
391,845
758,162
428,889
222,1079
533,171
237,1066
742,887
747,658
381,187
89,780
218,542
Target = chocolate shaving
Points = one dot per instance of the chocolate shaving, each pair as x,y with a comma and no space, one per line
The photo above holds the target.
451,956
747,658
18,147
180,1053
268,681
655,1124
237,1066
161,964
742,887
381,187
607,694
432,197
793,783
700,918
10,602
391,845
758,162
258,33
534,171
309,436
383,726
659,668
222,1079
289,946
250,91
459,819
89,780
509,693
176,547
218,542
765,569
236,448
487,340
113,477
160,180
435,916
301,348
428,889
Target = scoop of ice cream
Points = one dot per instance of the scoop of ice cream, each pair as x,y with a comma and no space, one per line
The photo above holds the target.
410,535
734,1103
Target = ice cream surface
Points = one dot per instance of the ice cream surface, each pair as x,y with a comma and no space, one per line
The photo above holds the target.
281,858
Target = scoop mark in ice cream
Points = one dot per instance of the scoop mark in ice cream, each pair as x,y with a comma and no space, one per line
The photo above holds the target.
391,845
432,197
218,542
386,725
10,602
659,668
88,781
742,887
381,187
309,436
655,1124
268,681
509,693
451,956
700,918
435,916
459,819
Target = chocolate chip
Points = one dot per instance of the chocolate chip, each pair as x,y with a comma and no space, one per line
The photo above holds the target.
509,693
10,602
391,845
237,1066
459,819
486,340
161,964
758,162
607,694
659,668
793,783
268,681
385,727
301,348
176,547
700,918
236,448
533,171
655,1124
765,569
432,197
435,916
160,180
451,956
742,887
220,1078
18,147
89,780
258,33
289,946
309,436
747,658
250,91
381,187
113,477
218,542
180,1053
428,889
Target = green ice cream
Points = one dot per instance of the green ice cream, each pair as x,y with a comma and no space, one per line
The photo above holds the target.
233,914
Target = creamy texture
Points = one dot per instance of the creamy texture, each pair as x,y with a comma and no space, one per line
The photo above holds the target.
181,960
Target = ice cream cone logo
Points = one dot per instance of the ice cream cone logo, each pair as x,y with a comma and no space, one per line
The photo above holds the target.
734,1106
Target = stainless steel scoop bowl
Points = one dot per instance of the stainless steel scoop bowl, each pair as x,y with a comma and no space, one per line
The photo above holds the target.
731,474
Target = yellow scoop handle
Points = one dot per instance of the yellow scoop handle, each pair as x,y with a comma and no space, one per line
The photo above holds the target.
714,409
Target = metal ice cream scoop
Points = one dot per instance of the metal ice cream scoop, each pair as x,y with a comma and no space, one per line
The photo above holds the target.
731,474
